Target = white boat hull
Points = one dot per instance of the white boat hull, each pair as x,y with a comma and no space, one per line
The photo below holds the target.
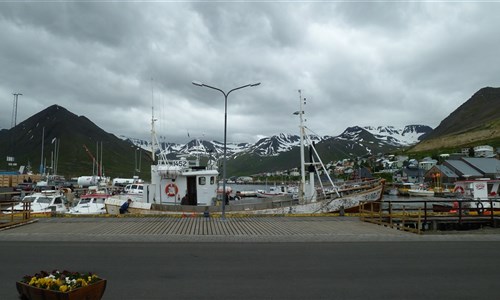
284,205
91,209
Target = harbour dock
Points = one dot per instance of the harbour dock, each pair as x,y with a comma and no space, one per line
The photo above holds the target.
233,229
419,216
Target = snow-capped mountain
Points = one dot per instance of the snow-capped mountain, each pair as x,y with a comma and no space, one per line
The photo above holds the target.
273,146
409,135
359,141
364,139
193,147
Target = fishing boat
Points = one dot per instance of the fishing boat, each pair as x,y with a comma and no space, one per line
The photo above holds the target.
180,186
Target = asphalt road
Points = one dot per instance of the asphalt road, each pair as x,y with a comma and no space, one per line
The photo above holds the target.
322,270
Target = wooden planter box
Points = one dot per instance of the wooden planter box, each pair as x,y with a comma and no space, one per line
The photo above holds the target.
90,292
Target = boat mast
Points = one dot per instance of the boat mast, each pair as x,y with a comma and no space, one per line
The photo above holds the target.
42,169
302,162
153,133
155,144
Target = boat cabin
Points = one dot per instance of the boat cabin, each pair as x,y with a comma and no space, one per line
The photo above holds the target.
177,183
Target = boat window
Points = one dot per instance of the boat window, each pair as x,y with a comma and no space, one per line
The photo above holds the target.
140,187
43,200
28,199
202,180
212,179
83,201
57,201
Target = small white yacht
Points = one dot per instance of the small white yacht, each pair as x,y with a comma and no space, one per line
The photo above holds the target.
43,202
91,204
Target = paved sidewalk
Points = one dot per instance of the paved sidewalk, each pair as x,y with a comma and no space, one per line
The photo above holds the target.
242,229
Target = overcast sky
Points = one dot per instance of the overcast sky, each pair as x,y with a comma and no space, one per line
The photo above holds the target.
361,63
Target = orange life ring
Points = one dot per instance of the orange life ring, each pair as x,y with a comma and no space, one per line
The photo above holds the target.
171,189
458,189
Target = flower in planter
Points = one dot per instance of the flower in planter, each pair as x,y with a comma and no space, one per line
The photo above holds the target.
64,281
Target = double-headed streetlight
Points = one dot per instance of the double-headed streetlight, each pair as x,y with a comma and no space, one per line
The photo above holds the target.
224,197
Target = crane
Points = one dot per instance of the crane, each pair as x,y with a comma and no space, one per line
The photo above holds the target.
94,161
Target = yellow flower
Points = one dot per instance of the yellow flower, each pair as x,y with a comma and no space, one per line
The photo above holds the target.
63,288
81,282
64,282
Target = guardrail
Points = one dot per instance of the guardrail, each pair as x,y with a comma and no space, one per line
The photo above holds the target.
436,214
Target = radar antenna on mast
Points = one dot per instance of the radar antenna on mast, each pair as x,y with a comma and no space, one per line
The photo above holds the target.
155,144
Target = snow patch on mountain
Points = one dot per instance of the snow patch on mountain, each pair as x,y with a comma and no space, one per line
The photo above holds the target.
405,136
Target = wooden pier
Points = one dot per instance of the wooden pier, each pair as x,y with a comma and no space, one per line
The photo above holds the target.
14,218
419,216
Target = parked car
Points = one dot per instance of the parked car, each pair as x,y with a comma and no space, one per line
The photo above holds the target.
25,186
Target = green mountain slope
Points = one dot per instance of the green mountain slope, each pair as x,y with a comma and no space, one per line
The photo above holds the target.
476,122
73,132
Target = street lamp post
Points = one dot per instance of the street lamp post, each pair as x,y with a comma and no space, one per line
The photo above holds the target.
224,161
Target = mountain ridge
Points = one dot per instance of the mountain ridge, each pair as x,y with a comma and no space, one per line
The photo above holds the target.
281,151
119,154
284,142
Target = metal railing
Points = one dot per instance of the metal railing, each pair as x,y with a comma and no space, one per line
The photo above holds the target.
421,215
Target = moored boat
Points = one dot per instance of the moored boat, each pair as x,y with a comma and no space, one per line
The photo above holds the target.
49,201
404,187
274,191
91,203
421,191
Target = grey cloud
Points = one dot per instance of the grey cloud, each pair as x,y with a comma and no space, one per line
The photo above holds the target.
357,63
